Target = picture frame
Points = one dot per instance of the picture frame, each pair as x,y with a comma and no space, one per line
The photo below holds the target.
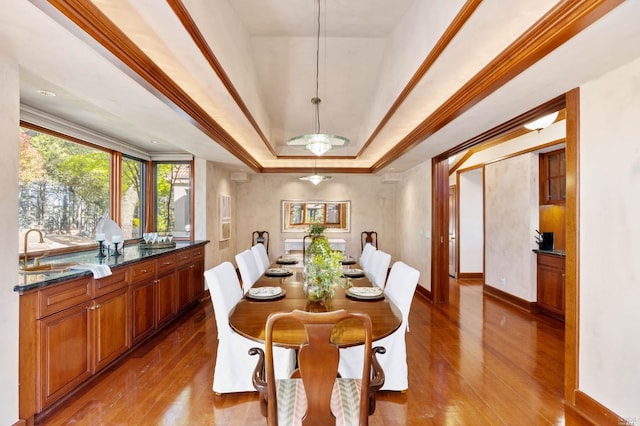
225,217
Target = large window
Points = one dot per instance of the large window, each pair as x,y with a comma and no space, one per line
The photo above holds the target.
173,198
64,189
132,197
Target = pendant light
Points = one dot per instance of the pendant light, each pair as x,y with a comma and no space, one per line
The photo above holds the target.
315,178
317,142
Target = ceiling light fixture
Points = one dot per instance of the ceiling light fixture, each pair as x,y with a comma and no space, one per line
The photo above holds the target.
44,92
318,143
542,122
315,178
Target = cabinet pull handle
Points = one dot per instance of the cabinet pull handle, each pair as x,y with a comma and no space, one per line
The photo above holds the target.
144,271
168,263
192,266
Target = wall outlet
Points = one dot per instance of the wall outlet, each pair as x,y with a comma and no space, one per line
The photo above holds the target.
503,281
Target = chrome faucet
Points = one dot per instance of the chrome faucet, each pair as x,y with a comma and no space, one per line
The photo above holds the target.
26,257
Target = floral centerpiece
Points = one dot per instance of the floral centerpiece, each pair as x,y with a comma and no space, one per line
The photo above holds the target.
323,267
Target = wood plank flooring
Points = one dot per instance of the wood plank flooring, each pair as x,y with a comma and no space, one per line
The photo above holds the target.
475,361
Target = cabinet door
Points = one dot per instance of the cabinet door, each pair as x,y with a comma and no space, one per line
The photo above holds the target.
143,302
112,329
167,304
65,353
184,286
551,284
196,279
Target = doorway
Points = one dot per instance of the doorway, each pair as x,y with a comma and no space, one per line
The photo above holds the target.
453,248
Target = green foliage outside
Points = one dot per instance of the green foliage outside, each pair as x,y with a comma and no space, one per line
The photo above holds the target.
64,186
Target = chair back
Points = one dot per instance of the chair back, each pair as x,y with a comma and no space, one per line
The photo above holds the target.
379,267
365,257
400,287
370,237
261,256
318,364
249,271
225,291
260,237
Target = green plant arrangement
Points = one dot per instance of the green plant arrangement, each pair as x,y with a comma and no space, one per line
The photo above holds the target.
323,270
316,229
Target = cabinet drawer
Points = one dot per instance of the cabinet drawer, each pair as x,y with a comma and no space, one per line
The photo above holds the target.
551,261
116,280
57,298
197,253
166,263
183,257
142,271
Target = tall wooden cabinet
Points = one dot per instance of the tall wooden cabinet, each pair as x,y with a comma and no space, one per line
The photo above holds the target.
71,330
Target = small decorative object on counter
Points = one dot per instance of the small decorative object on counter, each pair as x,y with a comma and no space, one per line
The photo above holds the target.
100,237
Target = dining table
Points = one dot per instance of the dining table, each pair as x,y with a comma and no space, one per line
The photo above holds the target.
249,316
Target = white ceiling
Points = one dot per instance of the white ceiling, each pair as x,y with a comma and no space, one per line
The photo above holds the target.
370,50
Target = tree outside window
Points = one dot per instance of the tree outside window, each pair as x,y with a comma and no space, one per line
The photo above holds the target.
173,199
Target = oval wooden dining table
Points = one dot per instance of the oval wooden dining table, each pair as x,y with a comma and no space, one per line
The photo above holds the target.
249,316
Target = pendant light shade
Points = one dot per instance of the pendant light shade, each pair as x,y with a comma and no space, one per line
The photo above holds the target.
542,122
315,178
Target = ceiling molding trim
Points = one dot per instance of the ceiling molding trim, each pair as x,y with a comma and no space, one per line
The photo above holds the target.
192,29
122,50
306,170
44,122
450,33
560,24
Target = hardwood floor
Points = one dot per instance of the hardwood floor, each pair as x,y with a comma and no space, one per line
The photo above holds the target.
474,361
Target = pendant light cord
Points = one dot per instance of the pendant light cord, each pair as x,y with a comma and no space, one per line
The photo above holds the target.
316,100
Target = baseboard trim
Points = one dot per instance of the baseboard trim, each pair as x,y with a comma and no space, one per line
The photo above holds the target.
424,293
469,275
597,413
509,298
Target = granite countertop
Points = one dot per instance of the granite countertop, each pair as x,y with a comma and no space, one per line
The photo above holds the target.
132,253
560,253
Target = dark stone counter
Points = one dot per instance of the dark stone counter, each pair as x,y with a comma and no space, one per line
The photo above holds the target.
132,253
559,253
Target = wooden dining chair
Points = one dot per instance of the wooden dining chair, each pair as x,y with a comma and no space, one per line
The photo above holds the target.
316,395
368,237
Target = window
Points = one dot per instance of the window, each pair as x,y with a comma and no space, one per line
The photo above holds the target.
173,198
298,215
132,197
64,189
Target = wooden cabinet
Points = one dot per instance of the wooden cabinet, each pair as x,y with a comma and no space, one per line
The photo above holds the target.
551,272
111,318
72,330
553,177
65,352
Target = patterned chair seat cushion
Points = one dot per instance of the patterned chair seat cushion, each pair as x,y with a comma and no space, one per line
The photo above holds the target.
292,401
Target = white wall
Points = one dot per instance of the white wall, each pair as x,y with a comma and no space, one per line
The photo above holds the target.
511,218
471,221
413,230
9,143
373,208
609,286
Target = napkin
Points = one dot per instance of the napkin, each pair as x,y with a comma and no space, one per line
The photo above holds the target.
99,271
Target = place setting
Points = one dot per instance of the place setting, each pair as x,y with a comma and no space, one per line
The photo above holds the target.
265,293
287,260
353,273
278,272
365,293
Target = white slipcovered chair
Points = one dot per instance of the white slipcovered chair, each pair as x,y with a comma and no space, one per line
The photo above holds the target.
378,267
365,257
400,287
248,267
261,256
234,366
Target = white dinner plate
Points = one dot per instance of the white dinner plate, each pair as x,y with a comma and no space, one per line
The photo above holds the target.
366,292
353,273
265,293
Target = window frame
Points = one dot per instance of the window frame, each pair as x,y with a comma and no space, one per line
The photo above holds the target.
115,191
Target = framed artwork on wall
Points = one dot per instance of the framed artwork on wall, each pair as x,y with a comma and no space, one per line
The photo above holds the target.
225,217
